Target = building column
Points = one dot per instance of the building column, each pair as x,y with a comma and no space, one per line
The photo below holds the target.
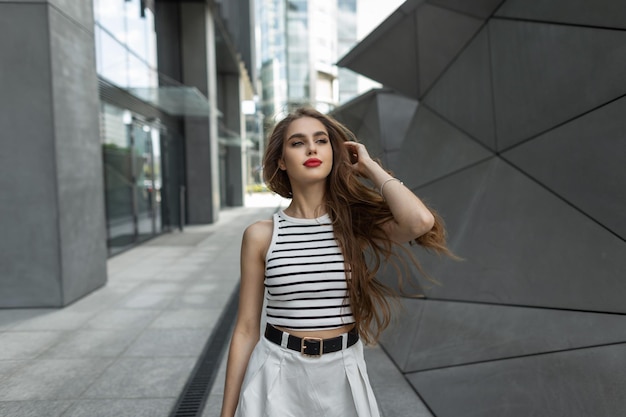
201,147
230,103
53,240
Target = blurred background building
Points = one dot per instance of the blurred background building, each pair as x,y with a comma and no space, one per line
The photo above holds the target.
297,52
299,44
121,119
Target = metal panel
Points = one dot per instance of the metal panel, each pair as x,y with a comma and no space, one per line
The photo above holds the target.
432,148
369,131
603,13
436,334
584,161
522,244
352,114
580,383
391,58
479,8
399,338
463,94
395,112
545,75
441,34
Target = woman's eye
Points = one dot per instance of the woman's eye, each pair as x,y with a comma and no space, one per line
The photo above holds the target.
322,140
294,144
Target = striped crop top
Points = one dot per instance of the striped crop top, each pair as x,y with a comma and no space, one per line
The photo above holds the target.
305,276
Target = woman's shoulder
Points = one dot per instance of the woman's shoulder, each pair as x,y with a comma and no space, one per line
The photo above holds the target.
257,238
259,232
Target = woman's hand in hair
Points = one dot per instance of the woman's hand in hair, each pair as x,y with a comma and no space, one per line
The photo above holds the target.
411,218
360,158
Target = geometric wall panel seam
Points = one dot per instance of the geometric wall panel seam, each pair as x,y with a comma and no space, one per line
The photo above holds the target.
577,383
361,117
547,74
396,397
399,337
598,13
391,58
463,94
584,162
457,333
352,114
480,9
441,35
369,132
432,149
521,245
395,113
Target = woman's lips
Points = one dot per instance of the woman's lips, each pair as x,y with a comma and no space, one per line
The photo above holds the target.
313,162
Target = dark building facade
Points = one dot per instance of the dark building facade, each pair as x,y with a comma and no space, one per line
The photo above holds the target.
507,118
121,120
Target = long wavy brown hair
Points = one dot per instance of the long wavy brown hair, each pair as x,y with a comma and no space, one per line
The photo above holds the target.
358,213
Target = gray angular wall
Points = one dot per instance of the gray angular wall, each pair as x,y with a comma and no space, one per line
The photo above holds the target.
508,118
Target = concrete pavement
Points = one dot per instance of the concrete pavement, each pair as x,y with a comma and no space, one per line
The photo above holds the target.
127,349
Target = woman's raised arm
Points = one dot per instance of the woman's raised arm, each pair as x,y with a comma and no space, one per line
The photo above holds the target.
411,218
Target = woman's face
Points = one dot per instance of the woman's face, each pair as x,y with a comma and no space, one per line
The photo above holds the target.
307,151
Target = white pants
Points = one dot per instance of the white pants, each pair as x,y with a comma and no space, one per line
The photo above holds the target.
280,382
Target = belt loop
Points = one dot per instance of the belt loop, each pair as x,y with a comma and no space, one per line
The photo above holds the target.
284,340
344,341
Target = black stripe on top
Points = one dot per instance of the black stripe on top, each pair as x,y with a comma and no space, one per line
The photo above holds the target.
304,263
305,292
304,256
320,326
289,284
303,249
307,273
301,225
288,242
305,234
308,317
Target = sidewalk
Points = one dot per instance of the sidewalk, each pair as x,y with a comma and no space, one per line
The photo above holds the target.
127,349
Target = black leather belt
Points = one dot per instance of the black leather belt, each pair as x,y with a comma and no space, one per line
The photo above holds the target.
310,346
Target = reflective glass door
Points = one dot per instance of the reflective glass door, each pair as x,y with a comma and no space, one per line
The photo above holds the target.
132,162
144,181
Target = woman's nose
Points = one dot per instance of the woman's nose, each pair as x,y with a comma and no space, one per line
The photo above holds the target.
312,149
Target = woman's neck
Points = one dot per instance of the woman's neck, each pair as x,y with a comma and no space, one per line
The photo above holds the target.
309,204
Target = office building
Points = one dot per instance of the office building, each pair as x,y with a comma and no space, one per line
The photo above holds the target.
300,42
121,120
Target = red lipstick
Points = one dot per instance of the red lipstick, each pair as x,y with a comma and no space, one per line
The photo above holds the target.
312,162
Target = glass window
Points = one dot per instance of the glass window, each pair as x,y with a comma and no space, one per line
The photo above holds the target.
140,37
112,58
126,43
110,15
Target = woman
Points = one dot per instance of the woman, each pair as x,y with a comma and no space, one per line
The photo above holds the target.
321,297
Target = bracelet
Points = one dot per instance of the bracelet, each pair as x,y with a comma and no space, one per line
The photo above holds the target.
382,186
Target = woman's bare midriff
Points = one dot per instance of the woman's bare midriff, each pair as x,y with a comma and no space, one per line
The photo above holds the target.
322,334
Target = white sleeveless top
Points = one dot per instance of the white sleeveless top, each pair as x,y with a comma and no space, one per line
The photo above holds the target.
305,276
